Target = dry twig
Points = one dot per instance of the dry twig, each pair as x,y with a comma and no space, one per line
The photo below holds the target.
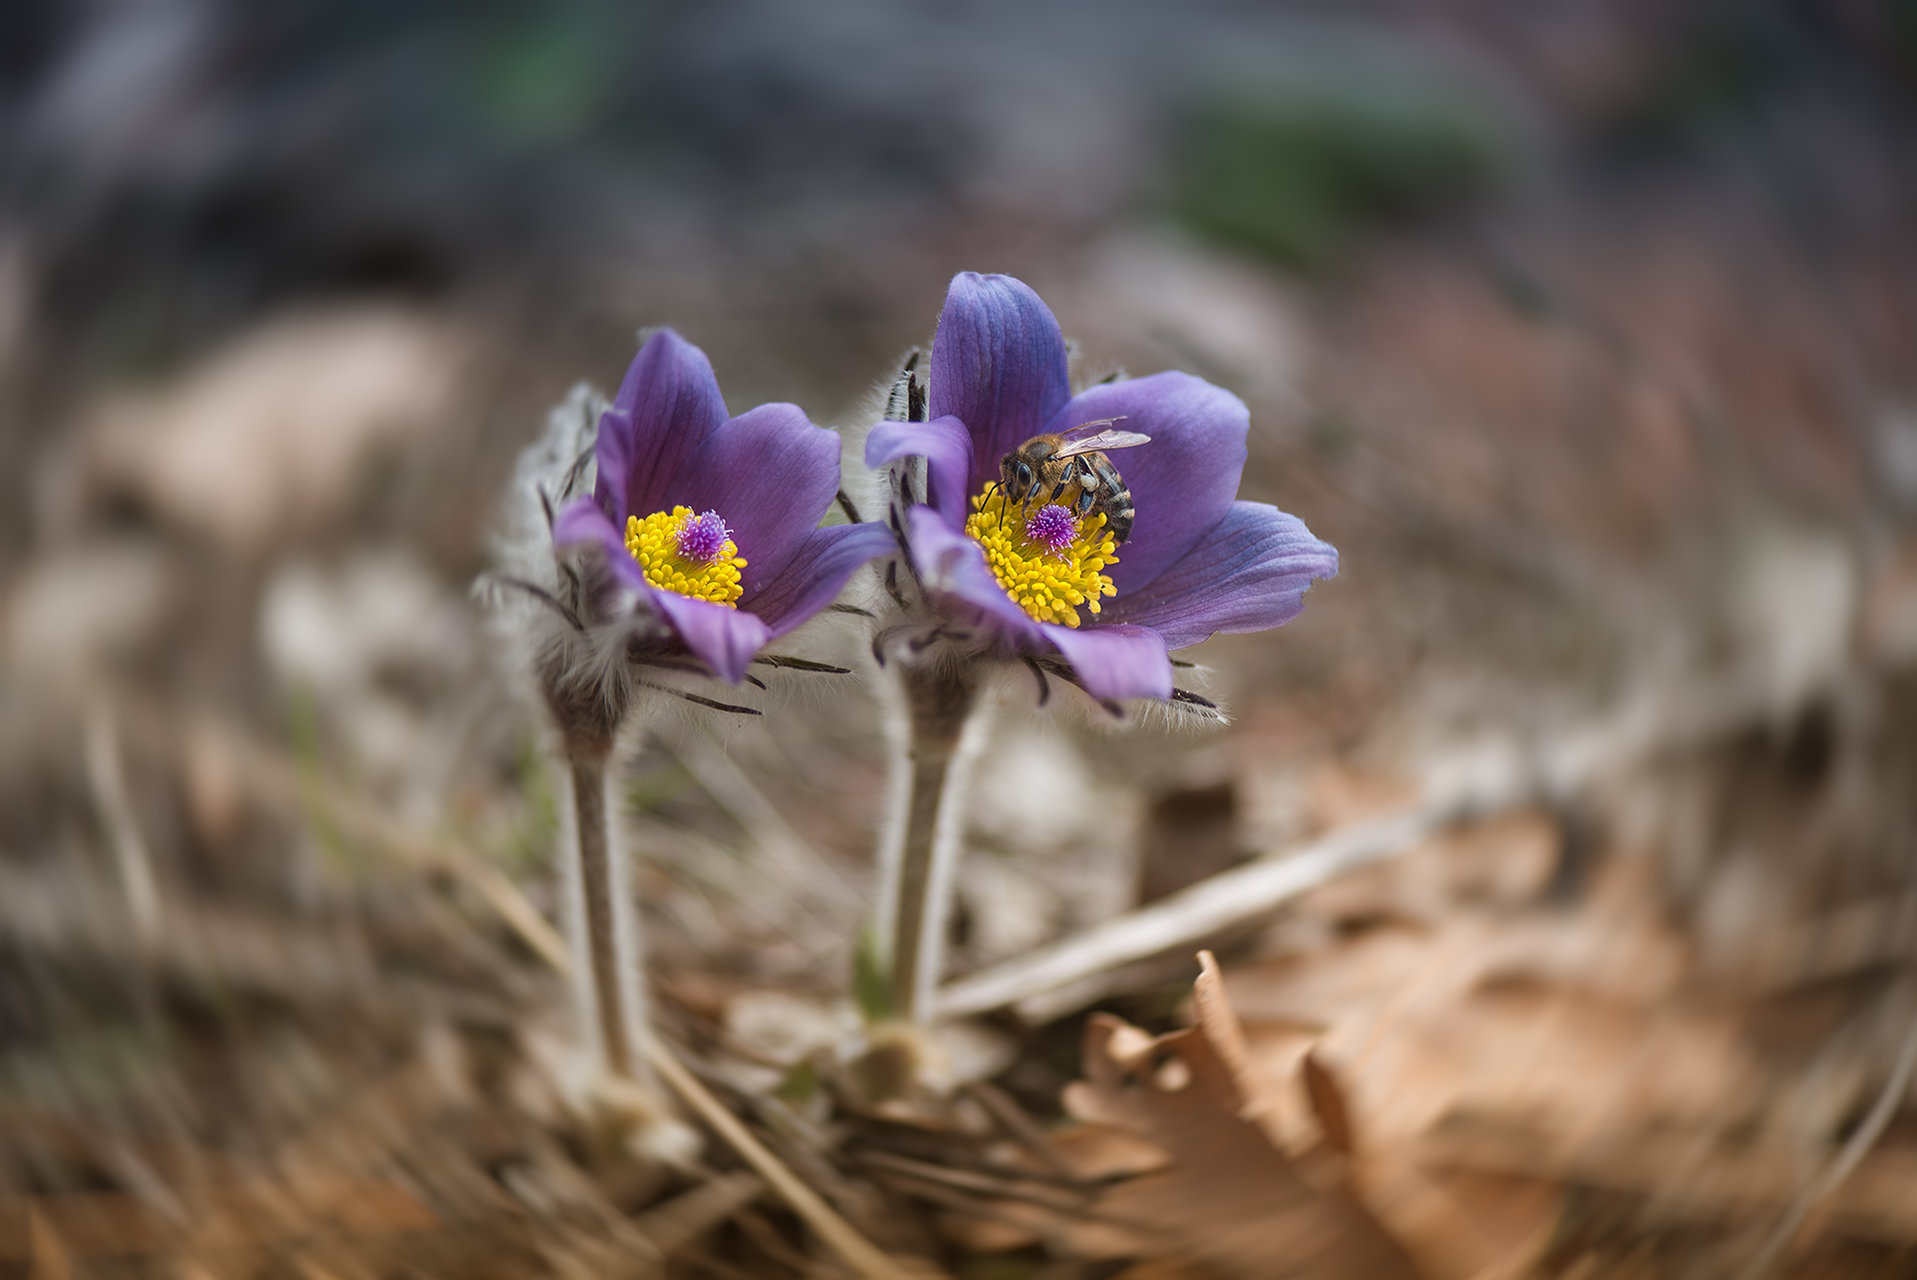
106,776
1462,784
860,1254
1844,1163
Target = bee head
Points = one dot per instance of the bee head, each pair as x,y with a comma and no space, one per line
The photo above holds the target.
1016,472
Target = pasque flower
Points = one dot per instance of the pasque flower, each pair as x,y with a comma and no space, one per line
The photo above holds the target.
1041,581
710,521
1048,577
698,544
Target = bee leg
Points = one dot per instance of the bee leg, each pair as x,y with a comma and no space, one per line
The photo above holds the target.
1074,475
1087,481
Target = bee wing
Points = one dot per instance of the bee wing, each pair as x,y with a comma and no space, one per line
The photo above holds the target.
1094,425
1103,440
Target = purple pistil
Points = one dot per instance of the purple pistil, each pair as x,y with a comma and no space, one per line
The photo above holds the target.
1053,526
702,539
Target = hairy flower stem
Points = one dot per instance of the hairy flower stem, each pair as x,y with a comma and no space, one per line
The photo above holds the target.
921,868
607,975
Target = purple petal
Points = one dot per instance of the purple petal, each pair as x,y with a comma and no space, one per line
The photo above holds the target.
612,459
946,447
998,366
817,573
1115,661
770,474
952,564
581,521
1184,481
1248,574
666,407
1111,661
726,640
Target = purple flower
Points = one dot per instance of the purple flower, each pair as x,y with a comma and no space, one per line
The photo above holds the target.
752,564
1197,562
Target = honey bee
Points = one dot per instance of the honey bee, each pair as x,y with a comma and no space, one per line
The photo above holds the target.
1071,469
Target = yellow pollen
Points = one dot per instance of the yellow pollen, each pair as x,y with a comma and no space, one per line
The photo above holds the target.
654,543
1049,585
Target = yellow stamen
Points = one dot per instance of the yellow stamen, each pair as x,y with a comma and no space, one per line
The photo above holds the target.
1049,585
654,543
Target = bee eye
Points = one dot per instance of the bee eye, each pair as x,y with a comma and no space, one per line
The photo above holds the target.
1024,474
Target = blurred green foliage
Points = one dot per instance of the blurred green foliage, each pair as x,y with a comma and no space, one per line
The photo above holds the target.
871,979
306,744
529,840
1299,174
547,74
655,784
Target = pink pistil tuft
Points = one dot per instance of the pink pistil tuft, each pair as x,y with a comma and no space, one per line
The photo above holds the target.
703,538
1053,527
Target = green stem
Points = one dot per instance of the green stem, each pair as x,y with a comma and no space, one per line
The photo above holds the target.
607,968
923,864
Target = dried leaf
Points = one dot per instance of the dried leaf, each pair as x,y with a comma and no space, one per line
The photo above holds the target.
47,1255
269,433
1462,1226
1095,1152
1230,1201
1327,1103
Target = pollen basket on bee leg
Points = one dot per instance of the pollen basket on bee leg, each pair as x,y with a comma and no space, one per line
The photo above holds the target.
1049,560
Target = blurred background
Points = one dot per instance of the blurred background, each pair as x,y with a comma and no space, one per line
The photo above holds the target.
1586,331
